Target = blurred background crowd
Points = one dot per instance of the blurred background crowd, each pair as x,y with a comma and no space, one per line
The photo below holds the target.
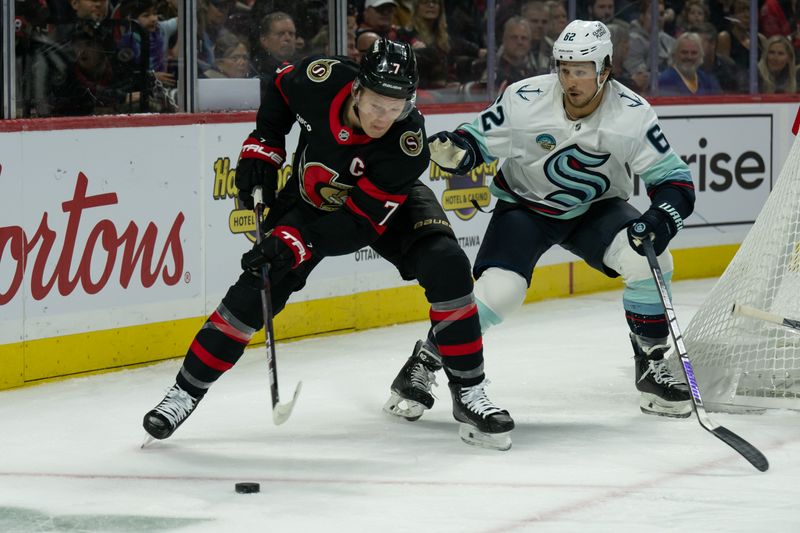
90,57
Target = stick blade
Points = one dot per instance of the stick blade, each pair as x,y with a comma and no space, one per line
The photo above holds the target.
747,450
282,411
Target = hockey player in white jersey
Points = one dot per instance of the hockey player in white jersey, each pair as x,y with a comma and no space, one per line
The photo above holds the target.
570,143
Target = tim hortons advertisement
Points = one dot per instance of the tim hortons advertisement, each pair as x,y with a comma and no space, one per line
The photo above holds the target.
96,238
11,212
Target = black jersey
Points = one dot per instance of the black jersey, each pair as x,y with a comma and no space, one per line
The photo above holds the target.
360,182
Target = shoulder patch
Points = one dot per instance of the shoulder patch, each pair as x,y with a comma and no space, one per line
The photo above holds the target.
546,141
411,142
319,70
524,91
632,100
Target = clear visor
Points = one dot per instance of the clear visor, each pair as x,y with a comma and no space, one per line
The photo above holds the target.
380,109
380,106
579,71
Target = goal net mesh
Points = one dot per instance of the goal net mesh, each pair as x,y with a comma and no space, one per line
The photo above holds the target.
747,362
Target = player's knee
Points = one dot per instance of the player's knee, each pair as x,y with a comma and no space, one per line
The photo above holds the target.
243,301
498,293
441,267
633,267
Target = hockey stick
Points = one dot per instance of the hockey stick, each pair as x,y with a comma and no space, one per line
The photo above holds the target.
280,412
752,312
747,450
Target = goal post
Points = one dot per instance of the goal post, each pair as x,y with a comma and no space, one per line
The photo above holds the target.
745,352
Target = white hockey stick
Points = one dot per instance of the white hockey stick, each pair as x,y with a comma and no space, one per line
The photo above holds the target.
280,412
747,450
752,312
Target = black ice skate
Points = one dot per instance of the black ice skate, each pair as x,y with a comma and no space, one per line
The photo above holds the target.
411,389
482,423
662,393
168,415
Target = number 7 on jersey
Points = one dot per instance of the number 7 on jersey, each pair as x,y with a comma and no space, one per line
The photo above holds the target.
392,207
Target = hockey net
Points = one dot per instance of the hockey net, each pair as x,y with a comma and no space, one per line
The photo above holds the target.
744,362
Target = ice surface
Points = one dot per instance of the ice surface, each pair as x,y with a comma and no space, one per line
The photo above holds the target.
584,458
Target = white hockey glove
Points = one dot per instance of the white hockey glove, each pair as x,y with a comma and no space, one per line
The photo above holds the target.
451,152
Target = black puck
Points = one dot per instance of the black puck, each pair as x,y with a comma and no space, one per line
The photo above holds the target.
247,488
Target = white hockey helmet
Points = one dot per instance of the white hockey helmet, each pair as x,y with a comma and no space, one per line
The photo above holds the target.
584,40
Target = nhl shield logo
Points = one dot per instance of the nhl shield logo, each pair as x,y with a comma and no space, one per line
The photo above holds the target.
344,135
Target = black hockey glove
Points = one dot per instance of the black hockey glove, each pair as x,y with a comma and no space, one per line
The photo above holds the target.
283,248
258,166
655,224
451,152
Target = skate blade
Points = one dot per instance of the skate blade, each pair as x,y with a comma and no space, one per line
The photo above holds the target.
650,404
492,441
147,442
399,406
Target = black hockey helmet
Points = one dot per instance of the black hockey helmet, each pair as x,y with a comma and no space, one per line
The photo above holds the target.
390,68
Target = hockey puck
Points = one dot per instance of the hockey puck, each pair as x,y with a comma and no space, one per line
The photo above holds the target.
248,488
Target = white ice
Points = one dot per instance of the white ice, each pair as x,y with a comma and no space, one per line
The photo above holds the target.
583,457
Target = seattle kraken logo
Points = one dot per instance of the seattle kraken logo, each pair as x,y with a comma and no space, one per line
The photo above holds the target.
569,169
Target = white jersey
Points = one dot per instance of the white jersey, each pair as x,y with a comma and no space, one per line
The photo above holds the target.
557,166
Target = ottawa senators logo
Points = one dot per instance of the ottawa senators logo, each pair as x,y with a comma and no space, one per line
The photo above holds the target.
411,142
319,70
321,189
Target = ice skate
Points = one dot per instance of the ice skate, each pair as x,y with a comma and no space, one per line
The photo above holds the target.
662,393
411,389
482,423
167,416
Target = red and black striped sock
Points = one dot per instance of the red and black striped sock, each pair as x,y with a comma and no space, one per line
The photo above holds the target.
215,349
457,331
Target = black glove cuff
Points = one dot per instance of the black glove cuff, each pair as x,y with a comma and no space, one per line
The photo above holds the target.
475,156
664,215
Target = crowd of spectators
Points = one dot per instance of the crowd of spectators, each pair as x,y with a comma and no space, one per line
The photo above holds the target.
84,57
77,57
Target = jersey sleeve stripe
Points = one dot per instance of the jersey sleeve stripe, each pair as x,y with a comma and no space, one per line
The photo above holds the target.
279,81
670,168
351,205
371,190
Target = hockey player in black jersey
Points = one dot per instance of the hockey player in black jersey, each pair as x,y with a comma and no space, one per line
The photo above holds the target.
354,183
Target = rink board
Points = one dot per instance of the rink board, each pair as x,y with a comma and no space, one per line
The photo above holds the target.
112,261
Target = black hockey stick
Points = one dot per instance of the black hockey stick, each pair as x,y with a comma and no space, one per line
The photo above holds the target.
752,312
280,412
747,450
